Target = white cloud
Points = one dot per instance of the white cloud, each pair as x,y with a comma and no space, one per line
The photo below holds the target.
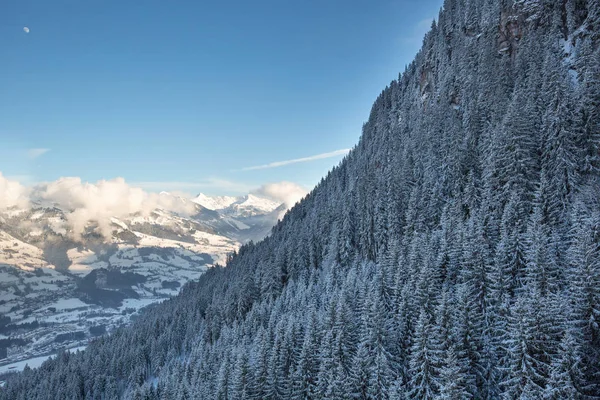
35,153
12,193
86,202
298,160
285,192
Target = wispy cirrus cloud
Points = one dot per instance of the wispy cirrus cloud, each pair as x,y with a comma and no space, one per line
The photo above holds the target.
35,153
277,164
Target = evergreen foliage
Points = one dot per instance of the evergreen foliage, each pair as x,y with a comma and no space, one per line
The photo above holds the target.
453,254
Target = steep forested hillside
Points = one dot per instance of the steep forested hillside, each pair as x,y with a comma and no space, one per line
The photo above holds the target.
454,253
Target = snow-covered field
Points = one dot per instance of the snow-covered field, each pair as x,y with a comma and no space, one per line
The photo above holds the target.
32,362
58,291
46,309
20,365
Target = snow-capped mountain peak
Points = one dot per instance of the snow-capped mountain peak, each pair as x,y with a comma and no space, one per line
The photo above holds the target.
214,202
250,205
242,206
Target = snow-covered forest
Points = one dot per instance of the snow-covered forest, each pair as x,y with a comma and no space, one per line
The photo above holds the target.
453,254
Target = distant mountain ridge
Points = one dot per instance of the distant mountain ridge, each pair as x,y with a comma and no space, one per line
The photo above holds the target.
214,202
242,206
152,255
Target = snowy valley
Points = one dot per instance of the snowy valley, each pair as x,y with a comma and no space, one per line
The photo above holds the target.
59,292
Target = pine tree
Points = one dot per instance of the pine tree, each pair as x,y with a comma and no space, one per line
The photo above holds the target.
589,114
359,376
452,378
518,158
560,150
241,377
525,378
305,376
425,361
510,253
259,380
584,293
541,270
327,368
467,336
562,381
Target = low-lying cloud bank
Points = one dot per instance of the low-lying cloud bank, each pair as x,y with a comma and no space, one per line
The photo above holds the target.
99,202
288,193
12,193
85,202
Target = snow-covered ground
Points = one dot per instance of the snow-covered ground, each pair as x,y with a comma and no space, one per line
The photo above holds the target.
32,362
214,202
20,365
243,206
59,291
25,255
100,284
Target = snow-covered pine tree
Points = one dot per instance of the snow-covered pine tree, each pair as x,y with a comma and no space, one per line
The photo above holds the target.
454,252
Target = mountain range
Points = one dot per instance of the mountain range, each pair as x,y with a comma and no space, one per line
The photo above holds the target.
58,291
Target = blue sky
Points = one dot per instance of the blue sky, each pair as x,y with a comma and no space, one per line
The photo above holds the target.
192,95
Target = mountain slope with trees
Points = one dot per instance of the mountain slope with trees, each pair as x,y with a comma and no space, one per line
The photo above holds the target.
453,254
